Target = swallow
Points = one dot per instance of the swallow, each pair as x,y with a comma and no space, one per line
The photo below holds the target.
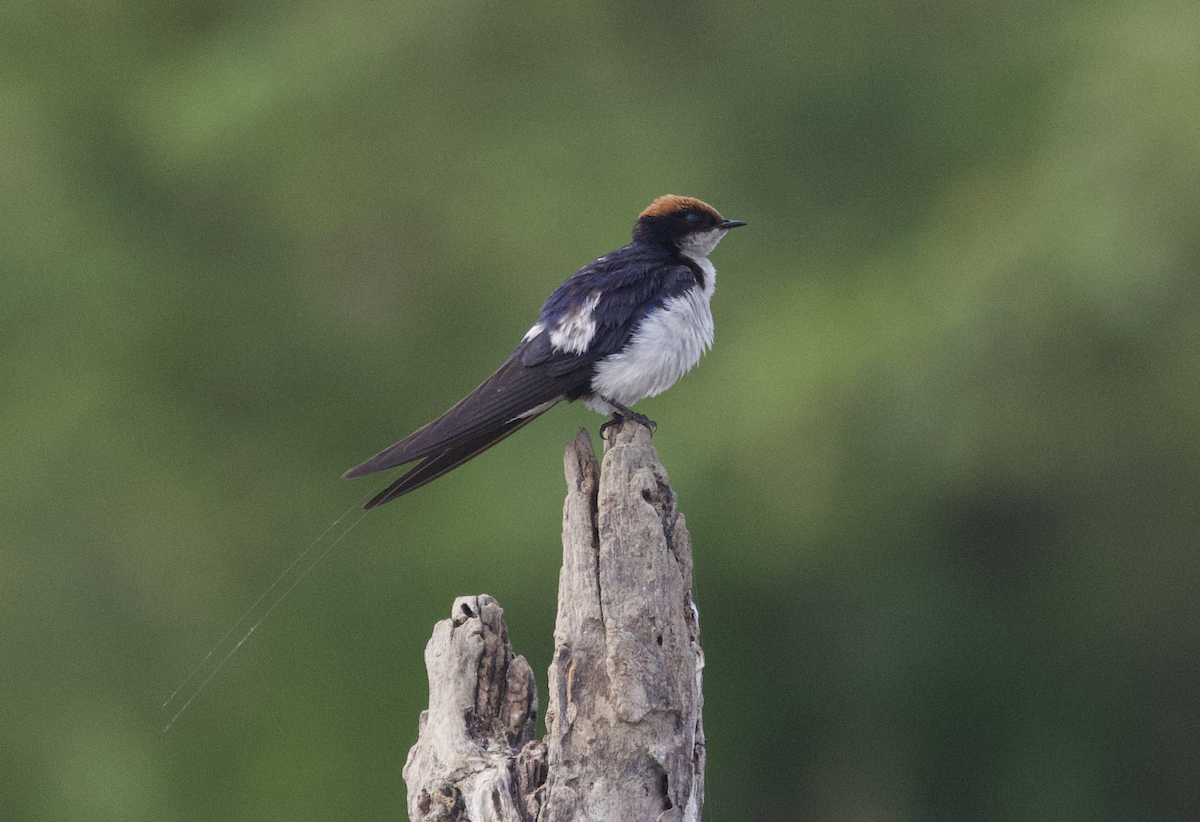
624,327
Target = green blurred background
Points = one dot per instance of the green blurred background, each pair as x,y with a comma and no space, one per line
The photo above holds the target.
942,468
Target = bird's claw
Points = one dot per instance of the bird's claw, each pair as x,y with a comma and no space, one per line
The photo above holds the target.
618,418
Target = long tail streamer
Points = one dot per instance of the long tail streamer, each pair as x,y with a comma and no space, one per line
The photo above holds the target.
258,603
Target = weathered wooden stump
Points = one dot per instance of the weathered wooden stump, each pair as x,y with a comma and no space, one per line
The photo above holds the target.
625,740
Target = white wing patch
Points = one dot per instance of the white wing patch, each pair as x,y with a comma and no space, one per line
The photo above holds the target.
575,330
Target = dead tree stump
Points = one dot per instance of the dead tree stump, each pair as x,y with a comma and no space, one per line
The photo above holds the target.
624,740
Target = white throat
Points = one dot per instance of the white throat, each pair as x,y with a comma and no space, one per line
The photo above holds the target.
700,244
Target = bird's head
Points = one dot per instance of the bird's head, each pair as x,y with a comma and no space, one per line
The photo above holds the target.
692,225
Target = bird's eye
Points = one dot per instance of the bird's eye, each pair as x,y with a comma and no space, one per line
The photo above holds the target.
693,217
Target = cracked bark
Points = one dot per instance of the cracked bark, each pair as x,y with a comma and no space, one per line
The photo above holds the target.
624,740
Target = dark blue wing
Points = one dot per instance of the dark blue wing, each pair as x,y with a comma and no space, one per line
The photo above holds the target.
630,281
508,396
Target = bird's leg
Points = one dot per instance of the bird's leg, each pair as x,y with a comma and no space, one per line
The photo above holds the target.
622,413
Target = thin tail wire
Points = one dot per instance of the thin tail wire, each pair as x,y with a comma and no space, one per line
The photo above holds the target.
265,594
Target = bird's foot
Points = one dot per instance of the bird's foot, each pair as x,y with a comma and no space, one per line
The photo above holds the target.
622,413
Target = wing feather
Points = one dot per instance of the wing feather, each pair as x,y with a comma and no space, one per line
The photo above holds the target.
508,396
435,465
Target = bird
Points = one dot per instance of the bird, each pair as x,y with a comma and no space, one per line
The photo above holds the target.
624,327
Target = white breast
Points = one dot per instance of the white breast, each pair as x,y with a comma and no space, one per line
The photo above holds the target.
665,346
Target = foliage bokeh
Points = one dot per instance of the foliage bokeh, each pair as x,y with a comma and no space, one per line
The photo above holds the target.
942,469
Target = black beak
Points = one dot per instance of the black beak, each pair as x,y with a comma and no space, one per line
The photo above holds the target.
728,224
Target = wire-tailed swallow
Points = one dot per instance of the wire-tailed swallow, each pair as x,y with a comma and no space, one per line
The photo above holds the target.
623,327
